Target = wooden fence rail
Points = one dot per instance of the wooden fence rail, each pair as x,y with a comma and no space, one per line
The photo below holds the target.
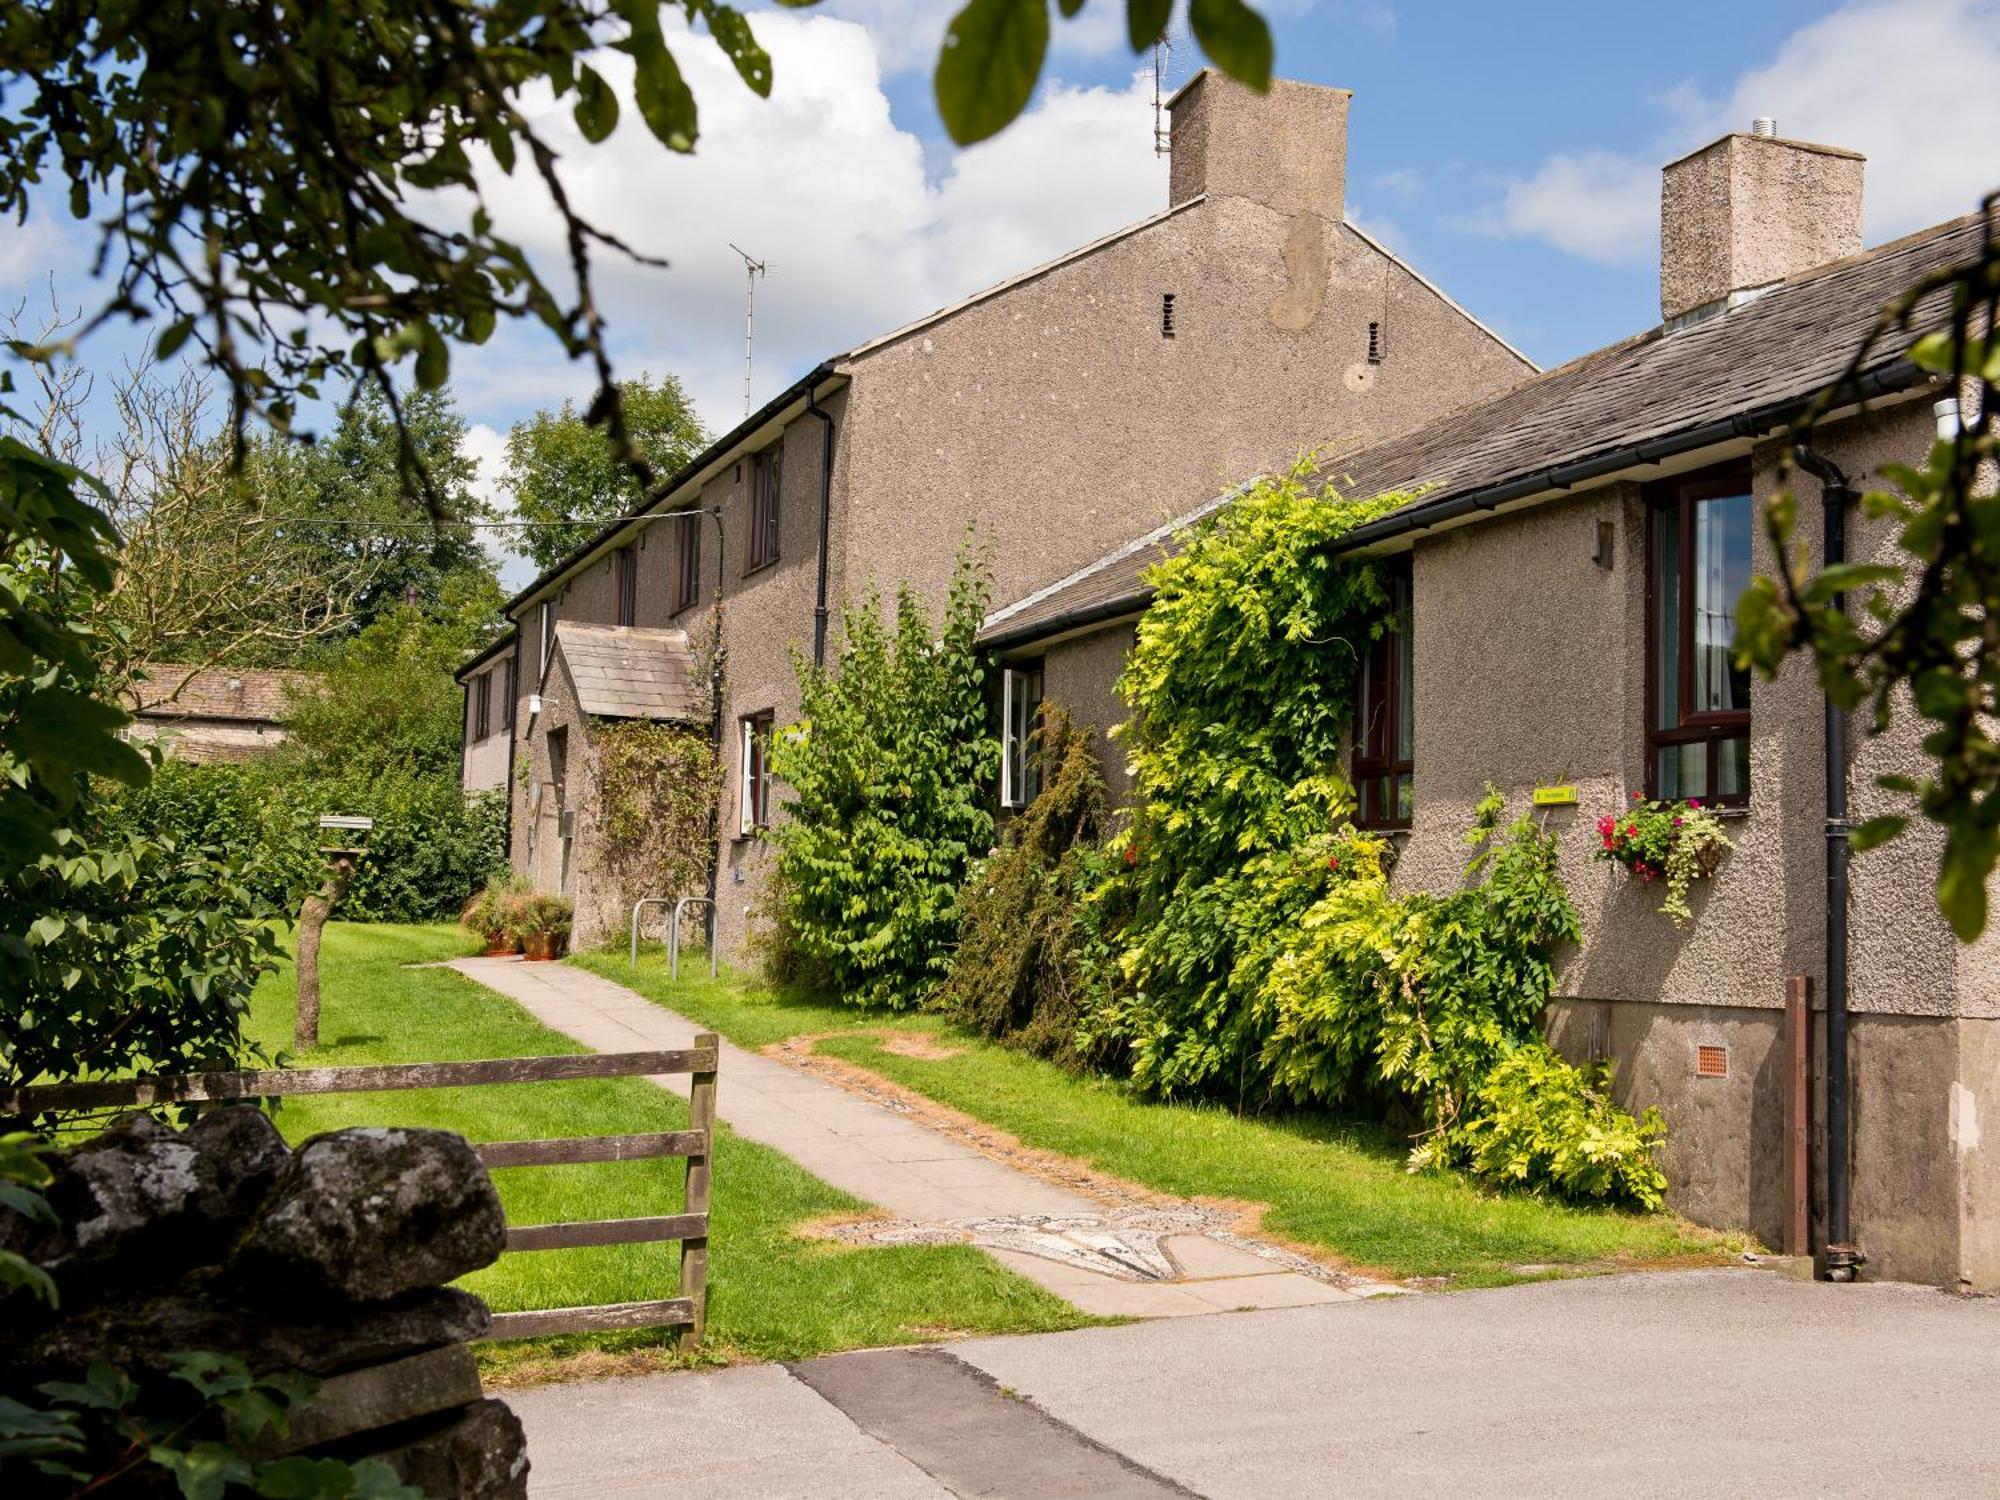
687,1311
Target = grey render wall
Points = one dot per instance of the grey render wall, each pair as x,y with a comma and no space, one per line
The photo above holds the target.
1081,674
483,764
1530,671
1058,421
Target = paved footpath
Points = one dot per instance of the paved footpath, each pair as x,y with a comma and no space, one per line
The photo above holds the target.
1721,1383
1052,1235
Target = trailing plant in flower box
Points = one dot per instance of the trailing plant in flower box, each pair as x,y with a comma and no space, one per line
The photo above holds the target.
1678,842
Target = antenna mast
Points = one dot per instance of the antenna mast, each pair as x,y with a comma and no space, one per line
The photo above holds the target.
1163,67
752,269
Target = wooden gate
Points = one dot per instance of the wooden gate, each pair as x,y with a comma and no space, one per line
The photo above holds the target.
688,1310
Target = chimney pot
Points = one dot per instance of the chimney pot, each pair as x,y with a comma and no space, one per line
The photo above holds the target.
1749,210
1285,149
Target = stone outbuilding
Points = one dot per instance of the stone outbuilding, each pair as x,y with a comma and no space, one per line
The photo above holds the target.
206,714
1568,578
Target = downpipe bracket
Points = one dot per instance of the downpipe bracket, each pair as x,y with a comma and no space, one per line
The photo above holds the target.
1843,1262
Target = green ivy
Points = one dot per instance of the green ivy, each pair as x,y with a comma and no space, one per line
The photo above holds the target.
889,771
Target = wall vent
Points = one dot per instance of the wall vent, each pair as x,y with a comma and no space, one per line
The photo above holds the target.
1374,343
1711,1061
1166,315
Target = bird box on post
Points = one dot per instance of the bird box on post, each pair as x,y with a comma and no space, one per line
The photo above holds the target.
344,839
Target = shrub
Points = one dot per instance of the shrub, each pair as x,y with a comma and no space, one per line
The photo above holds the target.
1241,687
491,911
656,795
1543,1123
1034,962
888,772
540,924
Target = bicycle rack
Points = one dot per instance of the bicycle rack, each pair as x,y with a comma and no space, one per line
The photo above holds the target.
674,934
637,907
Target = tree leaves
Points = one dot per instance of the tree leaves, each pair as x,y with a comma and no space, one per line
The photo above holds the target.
1235,38
992,56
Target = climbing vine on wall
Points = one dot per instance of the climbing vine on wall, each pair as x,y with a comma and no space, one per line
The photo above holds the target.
656,787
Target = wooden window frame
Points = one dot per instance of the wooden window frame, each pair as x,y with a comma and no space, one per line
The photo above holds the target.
1381,687
510,702
753,783
687,561
482,706
1017,679
625,576
1678,498
767,477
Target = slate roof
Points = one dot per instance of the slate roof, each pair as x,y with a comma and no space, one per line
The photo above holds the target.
629,672
1658,392
236,695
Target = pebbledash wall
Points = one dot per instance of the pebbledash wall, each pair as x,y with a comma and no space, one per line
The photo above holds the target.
1052,417
1530,665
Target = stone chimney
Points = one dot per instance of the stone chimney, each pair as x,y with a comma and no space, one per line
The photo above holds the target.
1749,210
1286,149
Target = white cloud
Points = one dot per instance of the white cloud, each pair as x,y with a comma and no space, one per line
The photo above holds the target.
1912,84
821,183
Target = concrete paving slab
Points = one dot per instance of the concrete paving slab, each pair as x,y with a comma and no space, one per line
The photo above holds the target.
749,1433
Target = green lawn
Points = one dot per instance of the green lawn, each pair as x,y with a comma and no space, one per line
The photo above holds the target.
1331,1184
773,1294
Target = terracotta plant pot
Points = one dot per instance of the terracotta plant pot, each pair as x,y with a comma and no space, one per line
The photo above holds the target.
500,948
540,947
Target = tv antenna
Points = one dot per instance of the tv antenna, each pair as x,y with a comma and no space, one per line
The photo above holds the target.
1163,76
752,269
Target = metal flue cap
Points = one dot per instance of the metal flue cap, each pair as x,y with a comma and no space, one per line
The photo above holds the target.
1764,125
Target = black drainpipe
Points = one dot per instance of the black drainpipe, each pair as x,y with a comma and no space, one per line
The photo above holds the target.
814,409
1842,1258
715,741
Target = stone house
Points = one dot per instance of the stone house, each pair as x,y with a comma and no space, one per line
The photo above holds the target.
207,714
1569,576
1051,416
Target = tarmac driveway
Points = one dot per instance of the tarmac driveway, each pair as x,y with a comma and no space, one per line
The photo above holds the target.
1676,1383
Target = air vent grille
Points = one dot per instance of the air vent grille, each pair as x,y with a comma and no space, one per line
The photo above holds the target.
1711,1061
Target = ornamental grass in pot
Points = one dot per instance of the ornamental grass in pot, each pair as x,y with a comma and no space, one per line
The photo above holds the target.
489,913
541,924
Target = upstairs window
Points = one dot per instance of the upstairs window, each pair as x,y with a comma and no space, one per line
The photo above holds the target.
764,484
513,692
625,571
754,791
1385,733
1020,711
1698,555
687,559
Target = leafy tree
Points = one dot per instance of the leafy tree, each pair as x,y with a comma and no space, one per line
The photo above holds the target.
1929,620
565,477
344,503
888,771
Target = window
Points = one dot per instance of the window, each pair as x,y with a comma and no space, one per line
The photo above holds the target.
482,705
753,798
764,484
625,570
1385,737
513,692
1698,564
687,559
1020,708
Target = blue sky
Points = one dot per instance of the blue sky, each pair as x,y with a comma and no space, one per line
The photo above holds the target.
1512,152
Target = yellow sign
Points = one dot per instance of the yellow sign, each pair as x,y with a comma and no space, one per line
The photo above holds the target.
1555,796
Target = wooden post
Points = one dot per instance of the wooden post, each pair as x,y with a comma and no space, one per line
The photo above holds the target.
312,921
1798,1115
694,1250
